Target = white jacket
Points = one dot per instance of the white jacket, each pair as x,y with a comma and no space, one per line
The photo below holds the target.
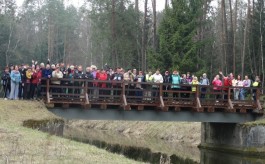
157,79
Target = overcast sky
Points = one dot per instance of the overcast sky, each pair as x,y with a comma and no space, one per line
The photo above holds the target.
160,3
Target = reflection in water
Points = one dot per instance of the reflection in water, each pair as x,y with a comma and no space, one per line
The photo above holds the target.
154,150
213,157
146,150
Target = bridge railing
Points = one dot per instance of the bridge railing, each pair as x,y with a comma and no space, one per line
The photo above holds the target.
86,91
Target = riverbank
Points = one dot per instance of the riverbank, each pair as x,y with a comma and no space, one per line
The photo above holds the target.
176,132
24,145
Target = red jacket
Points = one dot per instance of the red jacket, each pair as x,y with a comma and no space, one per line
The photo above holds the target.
227,83
35,78
217,84
103,77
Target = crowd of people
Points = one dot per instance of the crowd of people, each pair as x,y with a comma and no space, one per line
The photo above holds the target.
24,81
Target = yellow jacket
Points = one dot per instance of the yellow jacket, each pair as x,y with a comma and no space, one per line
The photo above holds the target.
194,82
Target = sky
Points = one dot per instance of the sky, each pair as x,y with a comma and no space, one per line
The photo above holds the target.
159,6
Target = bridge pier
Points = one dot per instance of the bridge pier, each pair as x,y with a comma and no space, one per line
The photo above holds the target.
232,137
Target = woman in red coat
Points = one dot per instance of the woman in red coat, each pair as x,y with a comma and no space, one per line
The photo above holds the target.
35,80
102,77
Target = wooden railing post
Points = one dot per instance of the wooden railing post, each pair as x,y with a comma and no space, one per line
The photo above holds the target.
257,99
162,104
48,90
230,104
197,99
85,92
124,99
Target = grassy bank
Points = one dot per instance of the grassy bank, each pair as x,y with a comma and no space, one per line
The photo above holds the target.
177,132
23,145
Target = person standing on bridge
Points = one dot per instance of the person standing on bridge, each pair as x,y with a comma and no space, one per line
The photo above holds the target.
117,79
204,82
127,77
5,80
194,83
246,85
140,78
79,74
148,87
227,81
217,86
184,87
175,80
103,77
157,78
15,80
166,86
256,84
57,75
35,80
237,83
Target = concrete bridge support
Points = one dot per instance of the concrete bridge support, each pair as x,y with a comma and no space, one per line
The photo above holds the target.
235,138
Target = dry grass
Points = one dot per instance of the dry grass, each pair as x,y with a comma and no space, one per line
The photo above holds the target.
177,132
22,145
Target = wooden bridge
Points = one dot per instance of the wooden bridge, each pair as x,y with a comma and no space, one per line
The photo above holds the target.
150,101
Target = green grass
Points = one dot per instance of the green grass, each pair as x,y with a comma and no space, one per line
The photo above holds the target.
23,145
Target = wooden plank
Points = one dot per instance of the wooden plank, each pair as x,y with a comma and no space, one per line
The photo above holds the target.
140,107
127,107
103,106
87,99
198,102
230,104
177,108
210,109
243,110
162,105
259,105
124,100
65,106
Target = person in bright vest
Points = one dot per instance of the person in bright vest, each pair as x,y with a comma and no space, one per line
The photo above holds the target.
175,80
194,83
256,84
148,87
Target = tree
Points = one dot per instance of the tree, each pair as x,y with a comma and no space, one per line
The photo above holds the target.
178,36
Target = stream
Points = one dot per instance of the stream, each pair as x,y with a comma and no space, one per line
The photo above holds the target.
150,150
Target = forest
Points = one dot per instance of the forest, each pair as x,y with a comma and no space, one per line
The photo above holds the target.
188,35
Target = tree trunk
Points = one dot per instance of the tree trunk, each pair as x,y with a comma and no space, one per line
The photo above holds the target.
261,45
234,38
232,33
137,6
114,55
9,42
245,40
224,35
144,37
154,24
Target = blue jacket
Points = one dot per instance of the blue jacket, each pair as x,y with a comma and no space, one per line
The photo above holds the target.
15,76
46,73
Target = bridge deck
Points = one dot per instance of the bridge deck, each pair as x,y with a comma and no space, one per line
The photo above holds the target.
143,96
